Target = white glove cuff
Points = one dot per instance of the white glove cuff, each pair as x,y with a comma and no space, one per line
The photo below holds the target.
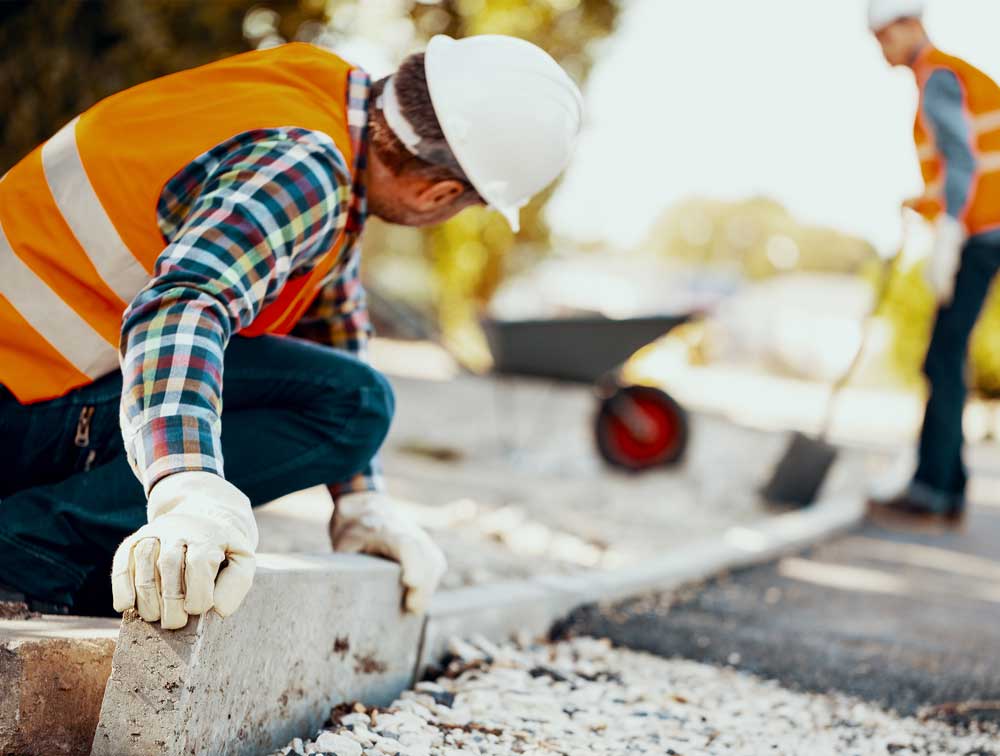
355,504
951,230
204,494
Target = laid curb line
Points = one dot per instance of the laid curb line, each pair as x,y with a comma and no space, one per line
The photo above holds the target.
319,630
530,607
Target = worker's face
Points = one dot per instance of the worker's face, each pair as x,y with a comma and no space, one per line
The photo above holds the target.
901,41
411,200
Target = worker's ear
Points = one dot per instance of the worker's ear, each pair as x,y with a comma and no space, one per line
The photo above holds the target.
438,195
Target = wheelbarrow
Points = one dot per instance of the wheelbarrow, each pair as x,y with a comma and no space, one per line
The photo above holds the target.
636,427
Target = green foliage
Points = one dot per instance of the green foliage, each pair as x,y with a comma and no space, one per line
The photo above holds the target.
985,349
61,56
910,308
470,254
757,237
563,27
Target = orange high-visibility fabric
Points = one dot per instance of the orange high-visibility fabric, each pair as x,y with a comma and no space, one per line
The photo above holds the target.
130,145
982,104
23,353
47,245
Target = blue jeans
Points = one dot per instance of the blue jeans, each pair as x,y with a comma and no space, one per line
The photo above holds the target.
295,415
941,468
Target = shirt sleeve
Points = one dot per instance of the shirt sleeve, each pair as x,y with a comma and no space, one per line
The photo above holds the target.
339,318
944,107
268,208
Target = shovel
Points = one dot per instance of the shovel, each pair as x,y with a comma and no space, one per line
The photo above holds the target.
798,476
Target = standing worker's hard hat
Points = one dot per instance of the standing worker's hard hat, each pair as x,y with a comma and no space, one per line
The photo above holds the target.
509,113
881,13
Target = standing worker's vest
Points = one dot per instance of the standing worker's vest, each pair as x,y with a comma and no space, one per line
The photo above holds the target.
982,103
78,216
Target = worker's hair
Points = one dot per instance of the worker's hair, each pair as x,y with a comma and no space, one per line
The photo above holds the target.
410,83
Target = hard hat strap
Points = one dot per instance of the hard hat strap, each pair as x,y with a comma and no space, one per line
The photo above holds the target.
433,151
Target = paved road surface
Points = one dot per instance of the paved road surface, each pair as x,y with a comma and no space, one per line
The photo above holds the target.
906,619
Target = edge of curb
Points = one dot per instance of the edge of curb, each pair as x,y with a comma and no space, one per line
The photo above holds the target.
501,610
529,608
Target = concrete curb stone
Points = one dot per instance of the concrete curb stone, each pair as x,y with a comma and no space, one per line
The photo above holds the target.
52,675
498,612
312,632
317,631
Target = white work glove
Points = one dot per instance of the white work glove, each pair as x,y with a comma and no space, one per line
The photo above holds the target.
169,568
946,256
370,523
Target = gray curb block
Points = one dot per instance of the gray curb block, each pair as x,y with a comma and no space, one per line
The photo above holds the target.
241,687
312,632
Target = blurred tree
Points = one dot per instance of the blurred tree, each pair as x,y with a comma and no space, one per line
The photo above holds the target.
471,255
910,309
61,56
985,350
757,237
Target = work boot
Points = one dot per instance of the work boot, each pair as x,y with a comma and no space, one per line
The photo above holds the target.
919,503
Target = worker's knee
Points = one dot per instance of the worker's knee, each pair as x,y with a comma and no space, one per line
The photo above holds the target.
356,412
379,406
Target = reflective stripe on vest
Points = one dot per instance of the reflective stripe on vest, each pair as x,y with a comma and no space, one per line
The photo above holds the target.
986,162
54,320
980,126
981,102
83,212
79,232
989,163
986,122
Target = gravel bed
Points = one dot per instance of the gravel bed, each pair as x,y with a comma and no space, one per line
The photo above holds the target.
582,696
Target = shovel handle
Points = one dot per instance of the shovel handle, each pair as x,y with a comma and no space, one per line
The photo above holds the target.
881,295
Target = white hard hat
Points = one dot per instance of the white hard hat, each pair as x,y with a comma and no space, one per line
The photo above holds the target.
881,13
509,113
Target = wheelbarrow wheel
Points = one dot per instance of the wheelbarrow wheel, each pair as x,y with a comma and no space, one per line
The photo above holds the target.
639,427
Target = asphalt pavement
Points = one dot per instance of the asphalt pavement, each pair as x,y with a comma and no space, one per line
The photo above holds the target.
908,618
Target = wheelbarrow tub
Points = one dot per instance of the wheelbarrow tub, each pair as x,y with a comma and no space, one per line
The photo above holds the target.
577,349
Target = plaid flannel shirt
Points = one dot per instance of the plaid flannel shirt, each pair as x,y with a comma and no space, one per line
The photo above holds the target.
239,220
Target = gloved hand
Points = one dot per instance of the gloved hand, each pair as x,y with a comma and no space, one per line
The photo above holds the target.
169,568
946,256
370,523
926,205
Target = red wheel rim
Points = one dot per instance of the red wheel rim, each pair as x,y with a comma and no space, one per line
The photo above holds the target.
664,431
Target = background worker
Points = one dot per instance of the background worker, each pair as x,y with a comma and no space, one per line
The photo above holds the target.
164,245
957,135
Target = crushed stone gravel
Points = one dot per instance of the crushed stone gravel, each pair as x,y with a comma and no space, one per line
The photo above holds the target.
583,696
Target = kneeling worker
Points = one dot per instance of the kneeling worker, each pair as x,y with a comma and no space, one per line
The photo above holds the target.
172,240
958,143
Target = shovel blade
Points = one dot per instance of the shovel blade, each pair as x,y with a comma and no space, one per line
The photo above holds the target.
800,473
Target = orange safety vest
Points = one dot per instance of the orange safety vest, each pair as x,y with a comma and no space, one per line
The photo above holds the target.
78,216
982,105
